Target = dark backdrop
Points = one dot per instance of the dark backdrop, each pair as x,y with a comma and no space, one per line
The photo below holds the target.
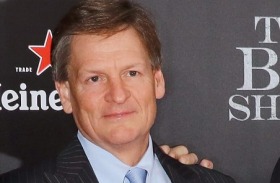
221,69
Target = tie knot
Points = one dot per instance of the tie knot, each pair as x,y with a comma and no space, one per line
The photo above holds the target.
136,175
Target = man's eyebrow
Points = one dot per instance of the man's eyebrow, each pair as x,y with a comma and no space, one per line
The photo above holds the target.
99,69
136,65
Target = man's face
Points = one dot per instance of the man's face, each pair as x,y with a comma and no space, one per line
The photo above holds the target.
112,89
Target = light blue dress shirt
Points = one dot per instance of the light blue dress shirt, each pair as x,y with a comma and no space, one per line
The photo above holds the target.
109,168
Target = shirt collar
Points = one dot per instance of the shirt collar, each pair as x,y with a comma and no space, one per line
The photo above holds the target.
103,161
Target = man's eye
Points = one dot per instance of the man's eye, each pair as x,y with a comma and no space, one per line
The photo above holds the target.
132,73
94,78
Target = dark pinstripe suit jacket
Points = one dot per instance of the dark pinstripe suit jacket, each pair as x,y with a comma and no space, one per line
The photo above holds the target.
72,166
275,178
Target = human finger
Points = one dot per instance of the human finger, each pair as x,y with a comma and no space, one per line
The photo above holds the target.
165,149
207,163
188,159
178,151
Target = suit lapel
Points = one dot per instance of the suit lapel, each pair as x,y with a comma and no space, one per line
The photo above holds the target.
177,172
72,166
180,173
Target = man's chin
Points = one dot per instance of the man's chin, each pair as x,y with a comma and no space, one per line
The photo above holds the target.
126,138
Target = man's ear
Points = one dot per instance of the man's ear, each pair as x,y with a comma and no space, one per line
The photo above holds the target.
64,92
159,84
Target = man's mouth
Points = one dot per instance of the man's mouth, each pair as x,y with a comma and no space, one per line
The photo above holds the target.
118,115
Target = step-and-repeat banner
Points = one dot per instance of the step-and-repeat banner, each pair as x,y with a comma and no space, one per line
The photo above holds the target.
222,75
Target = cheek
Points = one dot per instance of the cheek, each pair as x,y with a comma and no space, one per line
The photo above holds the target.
87,114
147,102
85,105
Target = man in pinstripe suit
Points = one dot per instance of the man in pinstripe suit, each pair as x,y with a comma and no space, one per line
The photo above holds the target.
106,60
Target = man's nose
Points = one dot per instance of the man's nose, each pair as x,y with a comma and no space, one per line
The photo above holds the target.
117,91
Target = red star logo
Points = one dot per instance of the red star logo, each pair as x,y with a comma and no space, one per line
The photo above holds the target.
44,53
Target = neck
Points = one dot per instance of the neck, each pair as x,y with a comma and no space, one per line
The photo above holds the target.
131,153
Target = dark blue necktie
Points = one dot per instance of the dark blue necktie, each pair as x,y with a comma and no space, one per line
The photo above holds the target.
136,175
